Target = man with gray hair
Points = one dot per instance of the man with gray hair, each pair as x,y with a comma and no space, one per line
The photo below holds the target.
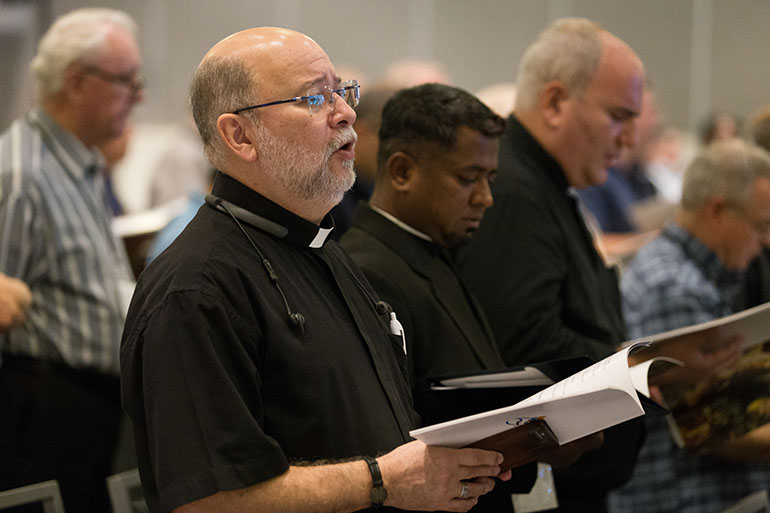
692,273
259,367
533,264
59,384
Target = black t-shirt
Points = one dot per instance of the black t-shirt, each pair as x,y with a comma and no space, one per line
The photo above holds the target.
223,391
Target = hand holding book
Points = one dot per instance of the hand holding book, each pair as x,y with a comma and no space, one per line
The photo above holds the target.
600,396
720,400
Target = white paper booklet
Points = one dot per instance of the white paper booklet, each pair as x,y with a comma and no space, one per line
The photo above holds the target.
600,396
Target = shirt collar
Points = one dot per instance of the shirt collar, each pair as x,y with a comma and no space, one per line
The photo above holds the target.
74,156
524,142
400,224
703,258
299,232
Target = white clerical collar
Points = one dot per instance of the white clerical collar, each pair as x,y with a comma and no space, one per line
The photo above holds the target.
400,224
320,238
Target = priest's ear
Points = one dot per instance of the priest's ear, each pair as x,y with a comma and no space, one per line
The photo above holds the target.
237,133
554,103
400,170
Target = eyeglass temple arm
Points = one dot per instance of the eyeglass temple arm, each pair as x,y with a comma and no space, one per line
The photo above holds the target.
278,102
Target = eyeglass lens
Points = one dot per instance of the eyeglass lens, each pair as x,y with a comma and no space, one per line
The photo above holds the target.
349,91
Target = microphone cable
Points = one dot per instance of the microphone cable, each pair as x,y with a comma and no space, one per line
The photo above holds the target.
296,319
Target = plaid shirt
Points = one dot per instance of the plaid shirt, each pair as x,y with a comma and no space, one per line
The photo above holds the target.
55,235
673,282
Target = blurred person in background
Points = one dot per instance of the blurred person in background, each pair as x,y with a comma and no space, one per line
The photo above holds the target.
181,169
60,406
719,126
692,273
114,150
412,72
533,264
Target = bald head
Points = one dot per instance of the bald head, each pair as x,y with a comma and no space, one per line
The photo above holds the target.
274,115
241,70
263,44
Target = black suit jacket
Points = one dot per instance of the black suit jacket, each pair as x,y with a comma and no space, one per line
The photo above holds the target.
548,295
446,331
533,265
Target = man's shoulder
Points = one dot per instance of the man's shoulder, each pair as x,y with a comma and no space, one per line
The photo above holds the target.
515,171
390,269
523,162
370,252
523,184
194,261
366,238
659,258
661,265
20,152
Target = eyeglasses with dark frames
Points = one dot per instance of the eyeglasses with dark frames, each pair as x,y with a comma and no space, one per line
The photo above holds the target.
134,83
350,91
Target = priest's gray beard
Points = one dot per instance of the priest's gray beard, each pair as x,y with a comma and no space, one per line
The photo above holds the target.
303,172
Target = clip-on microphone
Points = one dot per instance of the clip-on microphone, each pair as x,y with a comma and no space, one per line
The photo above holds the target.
296,319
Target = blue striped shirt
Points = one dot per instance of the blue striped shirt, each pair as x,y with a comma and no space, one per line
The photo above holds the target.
676,281
55,235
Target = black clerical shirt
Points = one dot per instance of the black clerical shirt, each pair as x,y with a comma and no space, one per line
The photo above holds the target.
222,390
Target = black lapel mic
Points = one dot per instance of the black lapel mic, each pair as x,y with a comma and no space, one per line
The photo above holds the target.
296,319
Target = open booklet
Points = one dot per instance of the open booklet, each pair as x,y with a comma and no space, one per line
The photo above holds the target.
727,405
602,395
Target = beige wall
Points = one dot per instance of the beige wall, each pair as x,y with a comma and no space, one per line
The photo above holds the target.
701,55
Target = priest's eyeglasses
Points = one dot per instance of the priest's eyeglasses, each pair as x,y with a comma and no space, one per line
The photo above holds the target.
350,91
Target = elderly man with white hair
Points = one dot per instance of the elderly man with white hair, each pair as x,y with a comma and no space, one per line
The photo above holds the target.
59,370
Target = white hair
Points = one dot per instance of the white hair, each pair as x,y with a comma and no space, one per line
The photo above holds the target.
73,37
568,50
725,168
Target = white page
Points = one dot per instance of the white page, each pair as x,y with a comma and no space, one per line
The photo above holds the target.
610,372
596,398
569,418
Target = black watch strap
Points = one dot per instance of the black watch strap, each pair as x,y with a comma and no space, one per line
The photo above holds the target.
379,493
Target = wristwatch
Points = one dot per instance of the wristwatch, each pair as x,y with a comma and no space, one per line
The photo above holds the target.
379,493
